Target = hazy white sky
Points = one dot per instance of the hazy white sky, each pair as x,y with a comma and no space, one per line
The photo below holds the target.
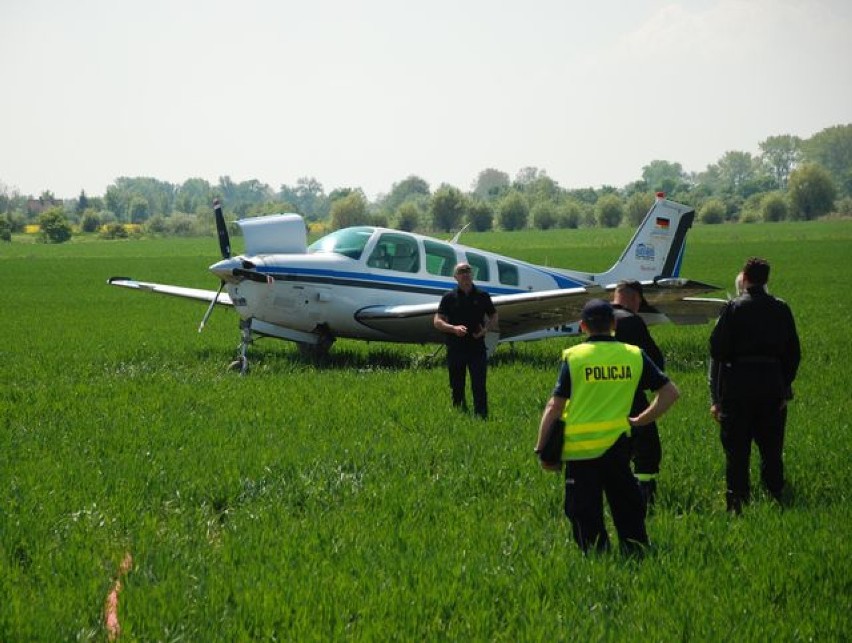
363,93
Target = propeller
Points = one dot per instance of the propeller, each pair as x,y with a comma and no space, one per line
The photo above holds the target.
210,308
225,248
222,230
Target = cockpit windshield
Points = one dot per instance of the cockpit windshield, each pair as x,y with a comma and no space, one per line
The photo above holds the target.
348,241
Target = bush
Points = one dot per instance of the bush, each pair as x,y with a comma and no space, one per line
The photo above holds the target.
5,229
609,211
54,226
713,211
113,230
481,216
773,207
569,215
544,215
90,222
513,212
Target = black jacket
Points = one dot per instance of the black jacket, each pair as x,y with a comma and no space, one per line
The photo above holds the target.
754,349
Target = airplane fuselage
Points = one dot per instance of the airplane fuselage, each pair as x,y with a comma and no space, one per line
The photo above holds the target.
333,280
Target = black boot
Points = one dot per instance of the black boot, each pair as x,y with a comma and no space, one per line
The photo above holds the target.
648,488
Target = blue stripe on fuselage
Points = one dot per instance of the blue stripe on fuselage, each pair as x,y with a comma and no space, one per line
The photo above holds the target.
391,282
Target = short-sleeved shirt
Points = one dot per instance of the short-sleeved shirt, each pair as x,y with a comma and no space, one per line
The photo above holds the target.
652,377
468,309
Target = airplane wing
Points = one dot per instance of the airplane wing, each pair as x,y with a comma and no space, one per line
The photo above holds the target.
523,313
175,291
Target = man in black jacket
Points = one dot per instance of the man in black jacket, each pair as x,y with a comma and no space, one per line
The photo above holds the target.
466,314
754,357
645,448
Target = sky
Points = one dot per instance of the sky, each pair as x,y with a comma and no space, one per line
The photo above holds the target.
364,93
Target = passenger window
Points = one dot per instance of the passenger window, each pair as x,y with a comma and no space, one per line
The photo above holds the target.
440,258
396,252
508,273
479,265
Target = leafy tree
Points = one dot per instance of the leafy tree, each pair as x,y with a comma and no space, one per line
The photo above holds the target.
569,214
713,211
139,210
491,184
662,176
637,207
812,192
736,169
773,207
526,176
832,148
5,228
542,189
780,155
584,195
513,211
408,217
447,208
544,215
82,202
350,210
309,196
54,226
609,211
412,188
194,195
481,216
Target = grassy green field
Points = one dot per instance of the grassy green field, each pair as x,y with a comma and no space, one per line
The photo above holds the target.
348,501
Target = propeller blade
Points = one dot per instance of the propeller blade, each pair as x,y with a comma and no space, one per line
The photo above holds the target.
210,308
222,229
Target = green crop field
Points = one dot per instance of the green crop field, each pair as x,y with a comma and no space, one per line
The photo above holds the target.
347,500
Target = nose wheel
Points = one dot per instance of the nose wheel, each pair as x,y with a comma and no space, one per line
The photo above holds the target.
241,362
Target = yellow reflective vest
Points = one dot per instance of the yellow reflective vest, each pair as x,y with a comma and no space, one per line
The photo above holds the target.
604,377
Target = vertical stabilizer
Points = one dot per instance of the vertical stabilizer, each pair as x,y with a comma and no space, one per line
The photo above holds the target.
656,250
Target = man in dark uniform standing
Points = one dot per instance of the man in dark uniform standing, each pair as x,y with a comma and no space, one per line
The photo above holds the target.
645,449
754,357
600,377
466,314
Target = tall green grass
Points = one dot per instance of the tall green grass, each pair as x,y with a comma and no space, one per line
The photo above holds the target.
346,500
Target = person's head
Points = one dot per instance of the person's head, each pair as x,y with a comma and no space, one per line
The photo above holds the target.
463,274
598,317
628,294
755,272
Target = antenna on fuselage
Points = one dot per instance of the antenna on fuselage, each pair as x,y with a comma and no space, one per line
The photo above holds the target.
455,239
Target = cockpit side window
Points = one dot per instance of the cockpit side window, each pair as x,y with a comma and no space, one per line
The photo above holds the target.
507,273
440,258
396,251
479,265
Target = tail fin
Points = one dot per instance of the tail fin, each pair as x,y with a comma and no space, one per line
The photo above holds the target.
656,249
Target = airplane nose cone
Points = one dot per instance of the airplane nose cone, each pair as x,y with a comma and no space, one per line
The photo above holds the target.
225,269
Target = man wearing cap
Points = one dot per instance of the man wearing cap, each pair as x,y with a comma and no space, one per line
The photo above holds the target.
466,314
645,448
754,357
593,396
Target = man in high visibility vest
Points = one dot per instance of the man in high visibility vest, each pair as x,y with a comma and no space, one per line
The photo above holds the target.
593,396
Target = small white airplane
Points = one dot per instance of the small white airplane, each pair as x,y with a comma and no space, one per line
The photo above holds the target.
378,284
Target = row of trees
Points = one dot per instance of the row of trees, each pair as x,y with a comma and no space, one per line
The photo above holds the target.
791,178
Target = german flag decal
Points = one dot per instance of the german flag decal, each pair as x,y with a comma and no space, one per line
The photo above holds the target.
663,223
